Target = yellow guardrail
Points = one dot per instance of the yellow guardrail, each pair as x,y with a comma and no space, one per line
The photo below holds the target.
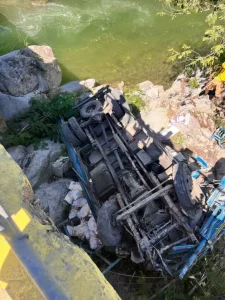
70,269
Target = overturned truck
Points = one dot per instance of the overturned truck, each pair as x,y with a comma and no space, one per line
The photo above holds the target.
150,207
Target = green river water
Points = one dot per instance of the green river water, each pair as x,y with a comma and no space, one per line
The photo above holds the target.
110,40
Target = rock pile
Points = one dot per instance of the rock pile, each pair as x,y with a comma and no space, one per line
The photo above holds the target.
86,229
182,99
37,164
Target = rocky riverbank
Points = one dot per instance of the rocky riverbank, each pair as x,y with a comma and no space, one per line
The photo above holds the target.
177,116
162,113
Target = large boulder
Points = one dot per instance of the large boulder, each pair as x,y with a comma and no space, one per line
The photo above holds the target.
37,163
25,74
71,87
51,196
145,86
39,166
61,166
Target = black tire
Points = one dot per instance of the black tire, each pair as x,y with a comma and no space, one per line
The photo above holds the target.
110,234
118,112
185,188
69,135
121,108
77,129
89,108
118,96
127,118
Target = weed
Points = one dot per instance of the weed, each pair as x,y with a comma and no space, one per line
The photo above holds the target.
194,83
134,100
41,121
179,139
219,122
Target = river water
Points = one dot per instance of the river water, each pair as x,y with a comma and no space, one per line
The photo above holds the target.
110,40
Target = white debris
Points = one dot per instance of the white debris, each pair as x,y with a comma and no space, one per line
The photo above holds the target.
77,194
84,211
78,203
80,231
169,132
92,225
75,186
73,213
94,242
74,193
87,229
69,197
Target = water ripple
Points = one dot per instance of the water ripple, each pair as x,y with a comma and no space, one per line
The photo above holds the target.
65,18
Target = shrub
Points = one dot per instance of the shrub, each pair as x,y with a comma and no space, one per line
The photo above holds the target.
194,83
40,121
134,100
179,139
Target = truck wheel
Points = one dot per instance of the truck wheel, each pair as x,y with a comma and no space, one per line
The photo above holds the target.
68,134
89,108
77,129
187,189
109,233
127,118
114,100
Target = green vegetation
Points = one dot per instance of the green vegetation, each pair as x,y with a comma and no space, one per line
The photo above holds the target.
135,101
194,83
39,122
219,122
179,139
212,52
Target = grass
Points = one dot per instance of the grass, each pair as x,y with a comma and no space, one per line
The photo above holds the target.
134,100
179,139
40,121
219,122
194,83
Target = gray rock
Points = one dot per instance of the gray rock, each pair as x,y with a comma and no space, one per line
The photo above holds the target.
199,74
71,87
39,167
11,106
153,93
51,196
23,75
89,83
195,91
160,88
78,86
176,87
204,105
188,92
156,119
18,154
146,85
206,132
61,166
